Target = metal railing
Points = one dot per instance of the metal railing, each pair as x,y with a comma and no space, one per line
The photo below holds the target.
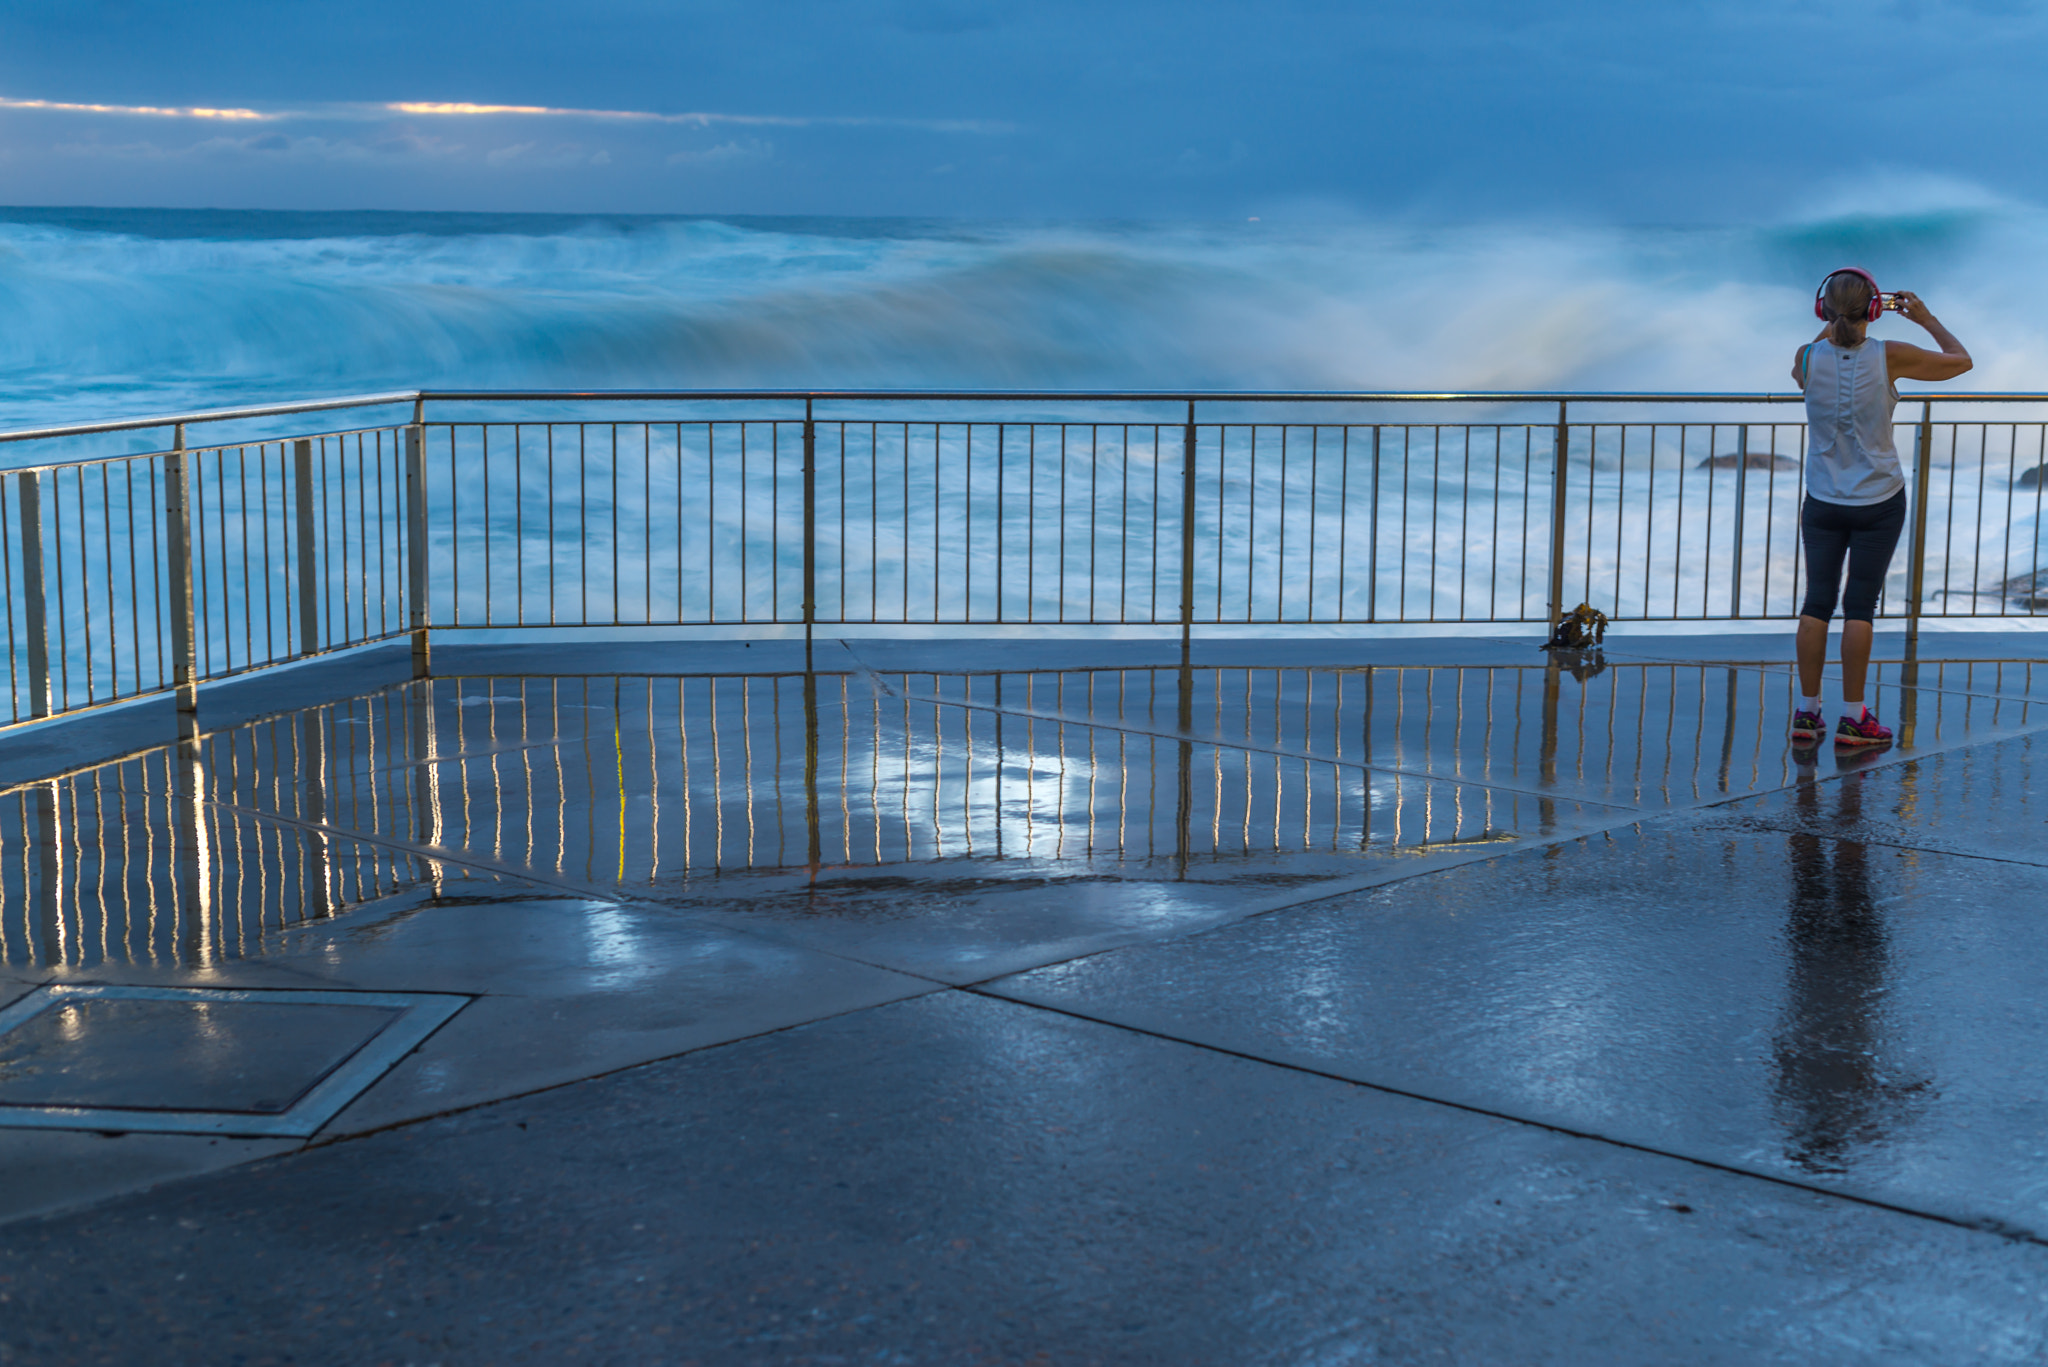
137,574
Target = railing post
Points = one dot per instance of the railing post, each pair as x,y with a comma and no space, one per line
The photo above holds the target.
1187,537
1916,561
184,625
35,604
1185,759
1557,492
309,548
811,531
416,538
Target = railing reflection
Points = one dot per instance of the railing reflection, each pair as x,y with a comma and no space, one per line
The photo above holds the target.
663,779
661,786
144,859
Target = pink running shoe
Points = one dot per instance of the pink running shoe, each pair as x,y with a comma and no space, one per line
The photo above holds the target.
1862,730
1807,727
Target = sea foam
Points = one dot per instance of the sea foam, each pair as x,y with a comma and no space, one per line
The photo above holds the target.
118,313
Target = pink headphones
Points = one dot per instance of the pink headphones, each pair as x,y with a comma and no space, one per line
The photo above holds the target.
1876,309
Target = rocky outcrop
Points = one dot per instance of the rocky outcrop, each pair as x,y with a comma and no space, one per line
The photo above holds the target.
1755,460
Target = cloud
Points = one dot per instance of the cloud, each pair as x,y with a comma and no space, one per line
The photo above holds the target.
463,109
397,146
726,153
1195,162
145,110
1566,109
533,155
698,118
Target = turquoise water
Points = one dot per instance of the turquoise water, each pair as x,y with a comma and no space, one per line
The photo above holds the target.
120,312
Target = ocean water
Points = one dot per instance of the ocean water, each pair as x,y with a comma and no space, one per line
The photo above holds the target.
123,313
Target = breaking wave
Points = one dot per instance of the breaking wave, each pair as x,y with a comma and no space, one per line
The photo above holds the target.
119,313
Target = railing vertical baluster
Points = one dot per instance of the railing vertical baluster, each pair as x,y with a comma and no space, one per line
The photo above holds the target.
269,563
416,539
613,619
382,486
1557,493
1916,563
134,577
184,629
1372,535
84,585
1002,432
35,603
1187,534
1343,521
810,551
308,547
1741,506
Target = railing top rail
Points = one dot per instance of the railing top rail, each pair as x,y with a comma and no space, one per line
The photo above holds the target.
1160,396
195,448
268,410
1176,396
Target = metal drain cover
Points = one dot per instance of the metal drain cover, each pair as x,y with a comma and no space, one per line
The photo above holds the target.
201,1060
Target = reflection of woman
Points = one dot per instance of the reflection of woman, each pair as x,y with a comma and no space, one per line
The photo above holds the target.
1837,1093
1855,491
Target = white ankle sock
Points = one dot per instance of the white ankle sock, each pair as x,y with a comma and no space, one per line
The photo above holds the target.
1810,704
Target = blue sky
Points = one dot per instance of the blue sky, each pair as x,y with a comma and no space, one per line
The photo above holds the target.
1728,110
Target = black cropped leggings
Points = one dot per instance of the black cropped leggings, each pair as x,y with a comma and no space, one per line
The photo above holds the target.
1865,534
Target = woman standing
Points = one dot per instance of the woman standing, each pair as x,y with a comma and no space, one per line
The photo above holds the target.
1855,490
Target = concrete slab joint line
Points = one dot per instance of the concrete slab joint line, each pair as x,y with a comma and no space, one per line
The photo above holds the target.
187,1060
1982,1224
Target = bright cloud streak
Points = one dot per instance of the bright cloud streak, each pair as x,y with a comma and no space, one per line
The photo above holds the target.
699,119
150,110
694,119
431,107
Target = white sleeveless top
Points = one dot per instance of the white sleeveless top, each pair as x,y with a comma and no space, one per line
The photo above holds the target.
1850,457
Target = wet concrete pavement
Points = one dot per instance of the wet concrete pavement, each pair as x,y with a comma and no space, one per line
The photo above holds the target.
1320,1002
962,1180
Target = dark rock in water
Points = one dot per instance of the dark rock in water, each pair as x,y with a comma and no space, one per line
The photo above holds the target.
2023,590
2031,479
1756,460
